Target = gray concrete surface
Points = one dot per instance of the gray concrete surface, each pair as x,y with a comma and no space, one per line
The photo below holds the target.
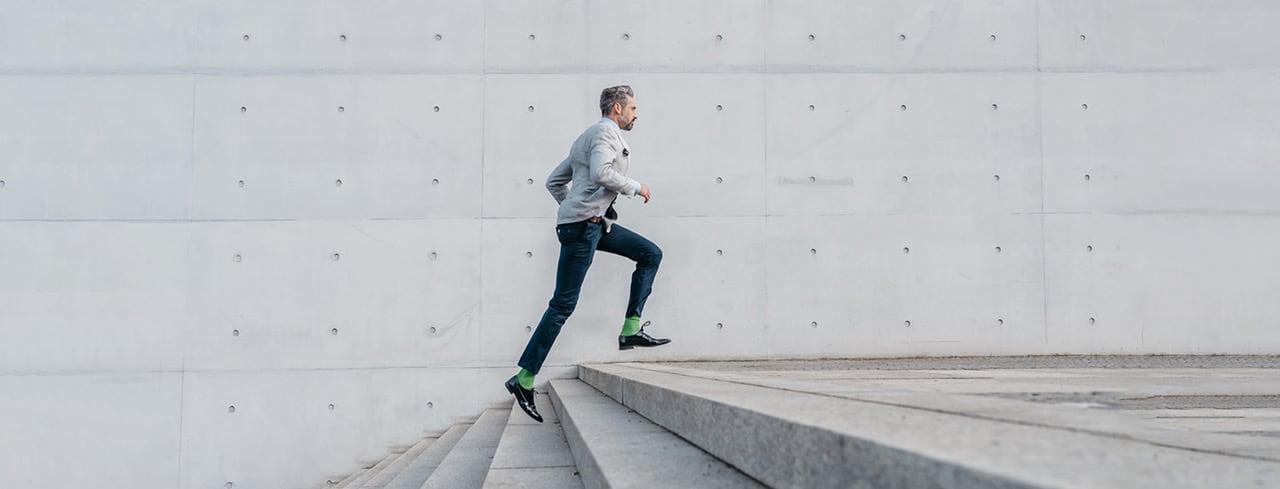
995,363
533,455
392,471
616,448
368,474
420,469
954,423
467,463
171,213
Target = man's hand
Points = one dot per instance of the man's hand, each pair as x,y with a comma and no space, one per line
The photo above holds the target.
644,192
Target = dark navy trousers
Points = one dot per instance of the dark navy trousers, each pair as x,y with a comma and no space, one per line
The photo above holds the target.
578,244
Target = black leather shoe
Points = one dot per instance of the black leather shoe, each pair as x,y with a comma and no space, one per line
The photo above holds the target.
524,397
640,339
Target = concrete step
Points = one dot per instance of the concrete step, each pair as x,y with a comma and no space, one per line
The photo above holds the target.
380,480
533,454
345,481
617,448
785,436
417,471
467,464
364,476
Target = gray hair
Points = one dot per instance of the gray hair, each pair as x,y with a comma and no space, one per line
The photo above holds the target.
614,95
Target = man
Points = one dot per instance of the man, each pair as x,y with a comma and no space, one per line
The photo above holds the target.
586,184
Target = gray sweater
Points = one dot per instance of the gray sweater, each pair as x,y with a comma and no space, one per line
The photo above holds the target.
593,175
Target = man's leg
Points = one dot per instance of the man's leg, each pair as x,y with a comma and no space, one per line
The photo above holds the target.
577,247
624,242
627,243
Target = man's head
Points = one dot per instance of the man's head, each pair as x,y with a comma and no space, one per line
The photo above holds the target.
619,104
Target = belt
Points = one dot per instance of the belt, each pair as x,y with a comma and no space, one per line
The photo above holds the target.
595,220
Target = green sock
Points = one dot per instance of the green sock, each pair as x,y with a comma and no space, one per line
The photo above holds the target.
631,326
525,378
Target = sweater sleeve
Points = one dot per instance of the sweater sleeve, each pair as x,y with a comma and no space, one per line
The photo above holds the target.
558,180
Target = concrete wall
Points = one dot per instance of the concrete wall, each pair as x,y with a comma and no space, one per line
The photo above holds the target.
330,214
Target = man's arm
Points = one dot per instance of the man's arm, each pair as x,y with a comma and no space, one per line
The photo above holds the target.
602,171
558,180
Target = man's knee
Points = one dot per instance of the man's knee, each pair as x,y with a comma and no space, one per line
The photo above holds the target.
653,257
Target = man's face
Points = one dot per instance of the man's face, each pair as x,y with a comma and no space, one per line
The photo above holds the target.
628,115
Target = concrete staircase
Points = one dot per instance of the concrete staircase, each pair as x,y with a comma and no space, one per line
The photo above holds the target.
582,428
673,426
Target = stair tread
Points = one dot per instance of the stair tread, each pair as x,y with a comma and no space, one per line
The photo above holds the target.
346,481
417,471
533,454
372,471
466,465
615,447
391,471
